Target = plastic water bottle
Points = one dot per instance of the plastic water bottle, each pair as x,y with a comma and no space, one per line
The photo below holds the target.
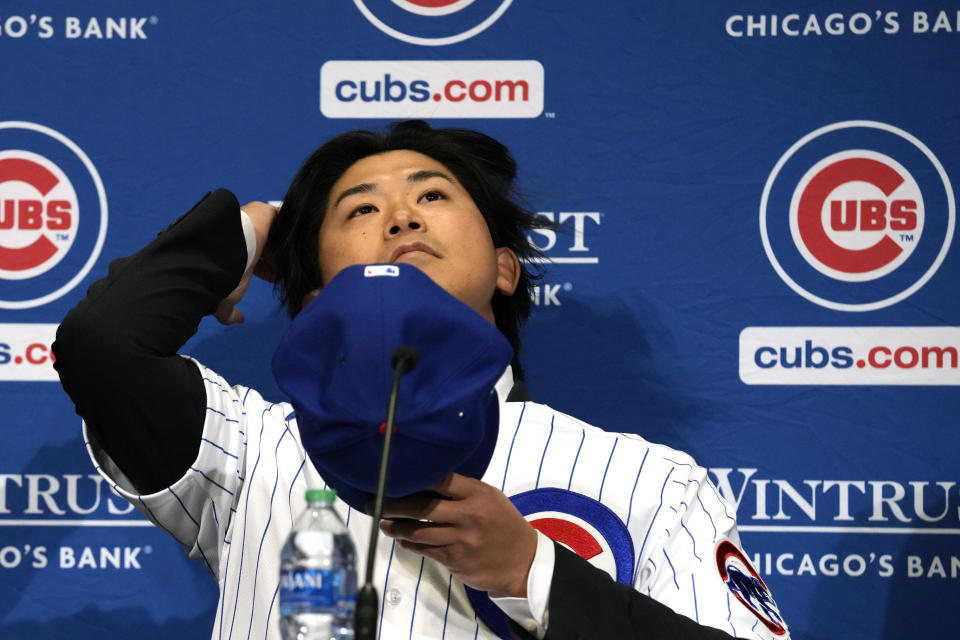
318,575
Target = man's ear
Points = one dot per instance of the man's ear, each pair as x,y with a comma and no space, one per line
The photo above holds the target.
508,271
308,297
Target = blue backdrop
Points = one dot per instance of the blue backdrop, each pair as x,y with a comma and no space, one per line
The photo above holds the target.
758,204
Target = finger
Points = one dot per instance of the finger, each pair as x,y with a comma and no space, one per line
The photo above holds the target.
424,533
440,553
456,486
228,314
419,506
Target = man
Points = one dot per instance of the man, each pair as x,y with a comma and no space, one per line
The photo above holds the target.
224,471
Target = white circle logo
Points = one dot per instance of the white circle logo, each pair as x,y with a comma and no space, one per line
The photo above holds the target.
53,215
857,215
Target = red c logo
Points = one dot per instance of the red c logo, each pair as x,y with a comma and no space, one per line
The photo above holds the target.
810,224
570,534
41,249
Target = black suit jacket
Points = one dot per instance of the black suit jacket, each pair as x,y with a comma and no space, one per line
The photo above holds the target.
587,604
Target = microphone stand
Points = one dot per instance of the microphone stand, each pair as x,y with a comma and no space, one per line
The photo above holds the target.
404,359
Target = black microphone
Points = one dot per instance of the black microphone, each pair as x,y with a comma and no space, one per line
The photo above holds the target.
404,360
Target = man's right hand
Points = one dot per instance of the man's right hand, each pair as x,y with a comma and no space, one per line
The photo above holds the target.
261,215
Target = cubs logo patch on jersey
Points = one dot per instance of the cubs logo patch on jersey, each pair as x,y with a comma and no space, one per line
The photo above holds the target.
584,525
747,586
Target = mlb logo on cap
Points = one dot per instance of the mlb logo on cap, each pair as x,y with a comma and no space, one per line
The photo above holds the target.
375,270
334,364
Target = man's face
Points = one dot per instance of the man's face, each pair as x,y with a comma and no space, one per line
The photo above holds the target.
403,206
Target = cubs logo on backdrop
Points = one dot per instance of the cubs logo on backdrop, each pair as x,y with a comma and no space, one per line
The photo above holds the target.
432,22
53,215
38,218
585,526
747,586
857,215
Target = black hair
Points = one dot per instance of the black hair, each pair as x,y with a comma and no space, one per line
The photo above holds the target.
482,165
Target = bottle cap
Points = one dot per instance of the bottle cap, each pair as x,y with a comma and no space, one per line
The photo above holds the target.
325,495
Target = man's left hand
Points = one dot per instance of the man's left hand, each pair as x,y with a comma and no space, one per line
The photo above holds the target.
471,528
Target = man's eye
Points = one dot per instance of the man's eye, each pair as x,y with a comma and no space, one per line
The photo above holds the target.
431,196
362,210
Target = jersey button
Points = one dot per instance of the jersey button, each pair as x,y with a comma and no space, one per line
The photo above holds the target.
530,625
394,597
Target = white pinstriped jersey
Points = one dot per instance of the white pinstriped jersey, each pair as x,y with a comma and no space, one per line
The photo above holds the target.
235,506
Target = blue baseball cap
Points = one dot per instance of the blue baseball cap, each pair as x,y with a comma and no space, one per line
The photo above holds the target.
333,363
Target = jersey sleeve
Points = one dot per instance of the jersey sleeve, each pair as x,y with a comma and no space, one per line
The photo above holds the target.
697,567
197,508
116,351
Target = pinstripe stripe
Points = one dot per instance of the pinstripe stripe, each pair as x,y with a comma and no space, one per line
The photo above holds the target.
199,548
506,468
630,507
386,579
215,518
416,594
692,541
542,457
730,615
222,390
226,575
708,515
212,443
192,519
671,569
696,610
243,535
266,528
722,503
652,520
211,481
604,481
290,490
155,520
583,435
266,628
443,633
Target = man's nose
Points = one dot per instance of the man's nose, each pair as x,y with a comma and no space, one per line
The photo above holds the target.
404,219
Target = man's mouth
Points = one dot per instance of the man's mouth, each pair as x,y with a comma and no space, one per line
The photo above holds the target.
413,247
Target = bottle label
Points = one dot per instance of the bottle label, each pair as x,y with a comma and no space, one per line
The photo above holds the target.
312,588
